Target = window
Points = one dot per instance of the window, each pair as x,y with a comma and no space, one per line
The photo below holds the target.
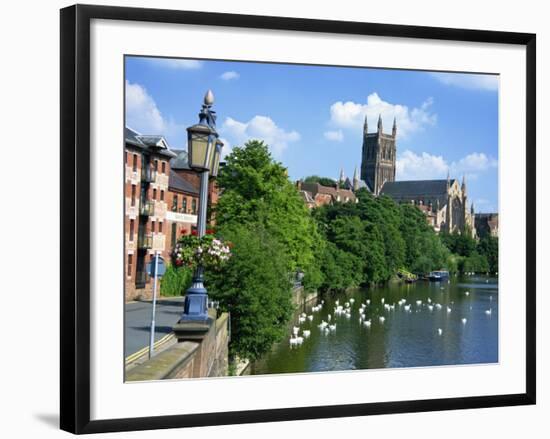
130,257
194,206
161,195
133,195
184,205
160,226
163,167
156,165
134,163
175,203
131,230
154,194
153,226
173,235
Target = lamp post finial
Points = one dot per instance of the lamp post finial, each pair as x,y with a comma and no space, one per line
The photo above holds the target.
209,98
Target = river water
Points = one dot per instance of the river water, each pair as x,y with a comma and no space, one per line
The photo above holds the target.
420,335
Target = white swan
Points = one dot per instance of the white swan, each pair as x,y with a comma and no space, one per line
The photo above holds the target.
381,319
431,307
307,333
367,323
295,330
489,311
332,327
310,317
448,309
439,331
464,320
467,293
419,302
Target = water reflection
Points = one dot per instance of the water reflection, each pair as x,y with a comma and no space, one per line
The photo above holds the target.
419,332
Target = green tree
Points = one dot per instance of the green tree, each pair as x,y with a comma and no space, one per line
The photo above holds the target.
324,181
256,189
475,263
341,270
488,247
254,286
459,243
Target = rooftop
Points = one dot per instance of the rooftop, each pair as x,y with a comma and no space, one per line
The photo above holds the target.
415,188
180,184
152,143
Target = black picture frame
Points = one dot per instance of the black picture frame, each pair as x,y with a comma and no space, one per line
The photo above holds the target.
75,217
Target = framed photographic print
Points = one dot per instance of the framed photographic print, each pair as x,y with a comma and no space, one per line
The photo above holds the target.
272,218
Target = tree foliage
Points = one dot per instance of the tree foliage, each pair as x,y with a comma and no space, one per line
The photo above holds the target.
324,181
477,256
273,236
381,237
256,190
254,286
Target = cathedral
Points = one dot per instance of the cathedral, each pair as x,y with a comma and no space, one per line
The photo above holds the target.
444,202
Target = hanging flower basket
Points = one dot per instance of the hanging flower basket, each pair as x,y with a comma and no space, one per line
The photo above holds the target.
210,252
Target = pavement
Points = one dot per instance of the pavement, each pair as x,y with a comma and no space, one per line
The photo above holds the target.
137,321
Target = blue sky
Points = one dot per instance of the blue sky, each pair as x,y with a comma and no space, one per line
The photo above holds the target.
312,116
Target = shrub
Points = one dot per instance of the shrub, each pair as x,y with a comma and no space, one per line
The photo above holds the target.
175,281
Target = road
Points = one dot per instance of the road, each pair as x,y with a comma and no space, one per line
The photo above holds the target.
138,322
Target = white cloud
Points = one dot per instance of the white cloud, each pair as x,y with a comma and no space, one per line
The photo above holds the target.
335,136
425,166
260,128
351,115
228,76
411,166
143,115
175,63
469,81
473,163
142,112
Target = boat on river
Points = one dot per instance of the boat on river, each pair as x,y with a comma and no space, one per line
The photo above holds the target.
438,276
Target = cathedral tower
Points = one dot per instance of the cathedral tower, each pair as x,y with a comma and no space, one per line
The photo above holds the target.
379,154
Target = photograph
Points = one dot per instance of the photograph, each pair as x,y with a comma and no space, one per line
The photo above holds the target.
296,218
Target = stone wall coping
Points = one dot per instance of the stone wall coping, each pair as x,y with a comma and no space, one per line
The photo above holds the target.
221,322
164,364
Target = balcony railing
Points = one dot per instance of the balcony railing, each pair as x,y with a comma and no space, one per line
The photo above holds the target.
145,241
148,175
147,208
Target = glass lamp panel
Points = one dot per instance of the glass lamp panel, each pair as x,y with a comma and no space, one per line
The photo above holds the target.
216,161
198,151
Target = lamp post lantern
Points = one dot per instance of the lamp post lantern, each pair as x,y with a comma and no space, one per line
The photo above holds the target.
204,150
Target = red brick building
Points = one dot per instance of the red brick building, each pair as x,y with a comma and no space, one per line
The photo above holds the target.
316,195
161,203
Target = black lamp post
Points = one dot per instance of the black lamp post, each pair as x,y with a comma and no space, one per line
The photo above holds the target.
204,150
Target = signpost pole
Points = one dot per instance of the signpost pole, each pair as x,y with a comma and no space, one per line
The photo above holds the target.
155,274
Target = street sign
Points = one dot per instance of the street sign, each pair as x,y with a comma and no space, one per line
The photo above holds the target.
161,269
